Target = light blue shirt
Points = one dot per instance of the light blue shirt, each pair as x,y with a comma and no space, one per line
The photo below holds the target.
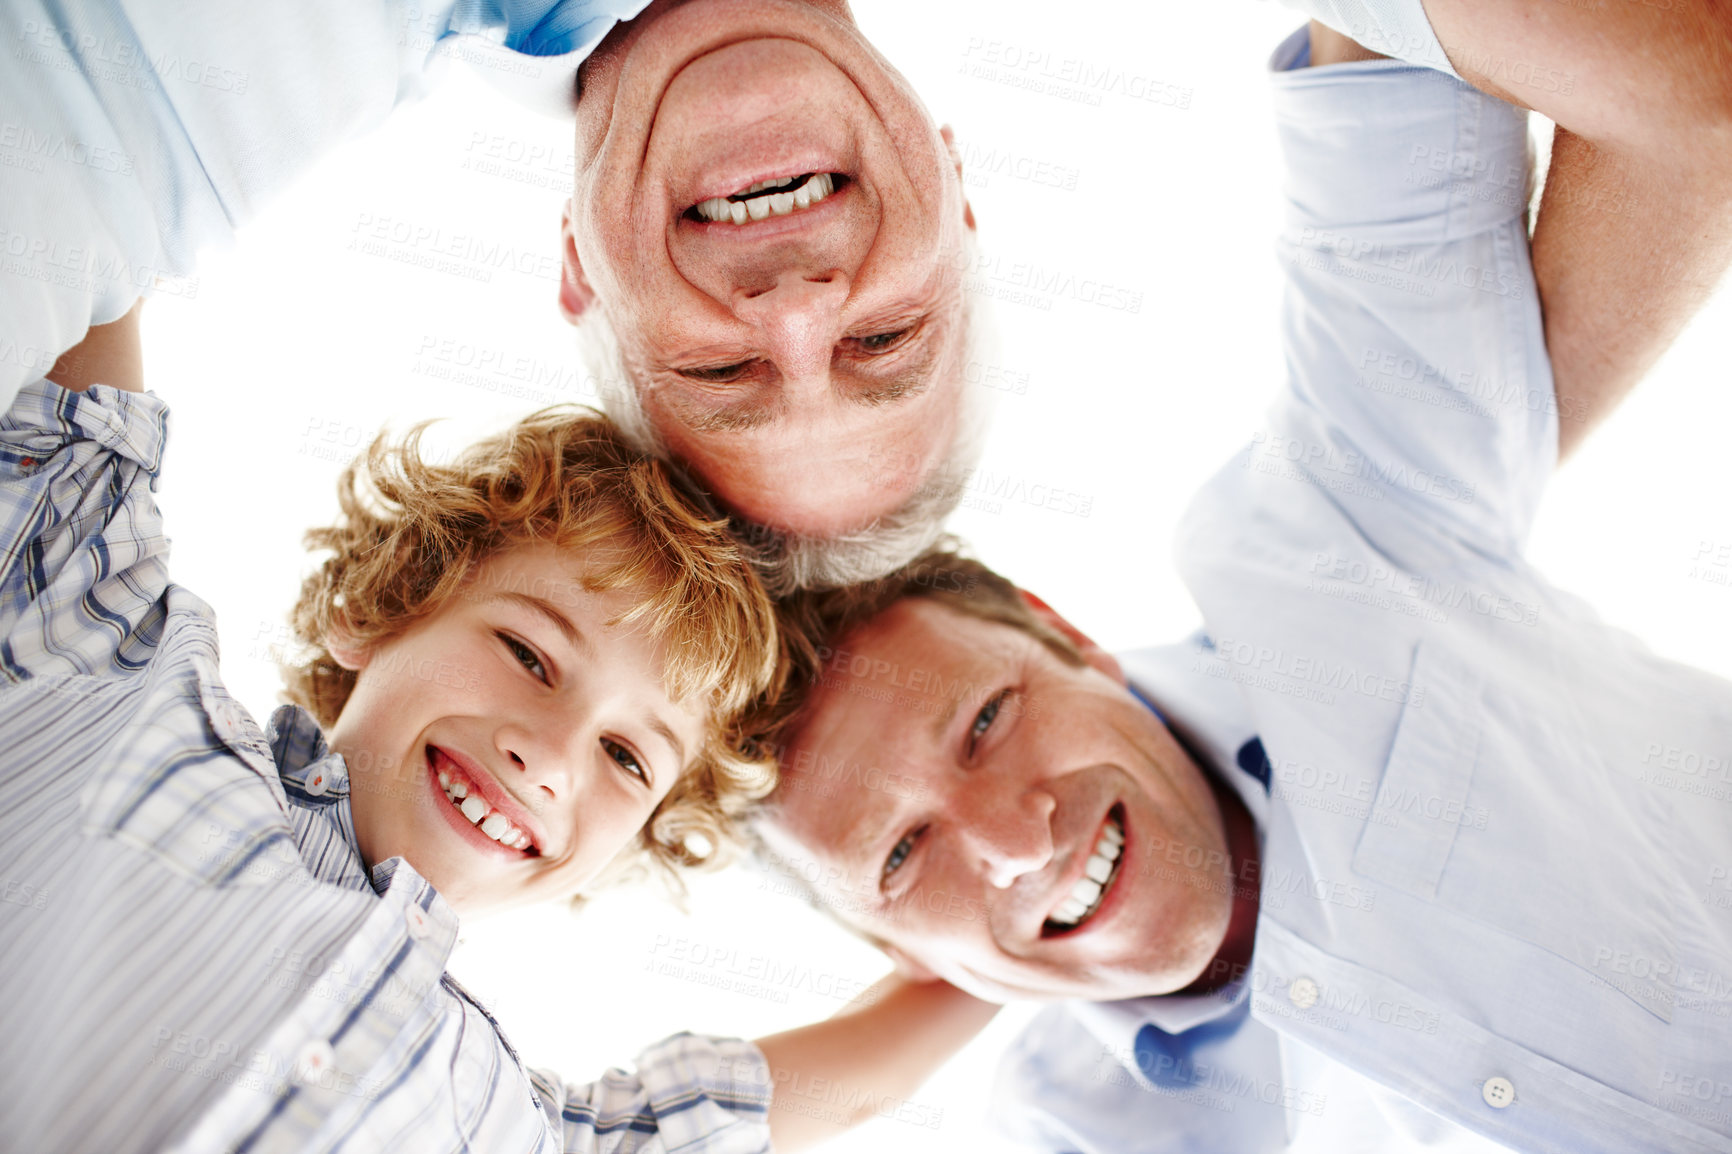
134,133
1498,827
193,954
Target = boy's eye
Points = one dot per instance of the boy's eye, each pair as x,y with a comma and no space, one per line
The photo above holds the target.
899,854
984,719
526,656
627,760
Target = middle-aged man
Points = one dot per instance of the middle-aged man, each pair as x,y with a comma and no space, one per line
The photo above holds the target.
768,230
1408,846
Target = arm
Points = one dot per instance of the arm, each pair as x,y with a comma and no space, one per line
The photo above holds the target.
866,1058
109,354
1635,225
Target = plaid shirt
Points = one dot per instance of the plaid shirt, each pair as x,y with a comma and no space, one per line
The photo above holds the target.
193,955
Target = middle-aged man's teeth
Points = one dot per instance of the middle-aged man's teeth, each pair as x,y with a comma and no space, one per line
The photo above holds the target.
483,816
1085,895
767,198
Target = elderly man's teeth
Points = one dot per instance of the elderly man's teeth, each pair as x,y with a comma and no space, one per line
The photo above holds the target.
1098,871
767,198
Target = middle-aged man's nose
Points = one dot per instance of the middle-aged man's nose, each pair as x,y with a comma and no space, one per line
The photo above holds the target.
1008,831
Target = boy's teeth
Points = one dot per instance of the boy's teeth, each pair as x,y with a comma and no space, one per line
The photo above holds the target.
485,818
1085,895
785,196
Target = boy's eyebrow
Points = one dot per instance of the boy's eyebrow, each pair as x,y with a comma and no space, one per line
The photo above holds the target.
548,610
665,731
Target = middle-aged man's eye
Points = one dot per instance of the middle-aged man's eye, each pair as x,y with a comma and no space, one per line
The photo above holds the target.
627,760
899,854
984,719
716,374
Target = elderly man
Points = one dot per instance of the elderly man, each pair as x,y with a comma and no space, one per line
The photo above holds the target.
768,233
765,213
1400,850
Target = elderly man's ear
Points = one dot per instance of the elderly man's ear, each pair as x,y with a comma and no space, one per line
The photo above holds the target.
956,158
575,295
1091,653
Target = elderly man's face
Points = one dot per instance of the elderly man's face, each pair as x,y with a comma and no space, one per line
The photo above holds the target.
953,797
807,361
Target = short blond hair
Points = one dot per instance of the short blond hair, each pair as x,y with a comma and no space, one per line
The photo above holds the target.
410,533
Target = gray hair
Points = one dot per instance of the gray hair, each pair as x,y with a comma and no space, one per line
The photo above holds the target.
787,560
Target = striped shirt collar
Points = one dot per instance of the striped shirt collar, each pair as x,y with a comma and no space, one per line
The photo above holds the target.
316,780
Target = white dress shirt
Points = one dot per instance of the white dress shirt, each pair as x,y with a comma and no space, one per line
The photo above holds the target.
1489,848
135,133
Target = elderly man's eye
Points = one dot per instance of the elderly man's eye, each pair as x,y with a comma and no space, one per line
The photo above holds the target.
900,853
878,343
716,374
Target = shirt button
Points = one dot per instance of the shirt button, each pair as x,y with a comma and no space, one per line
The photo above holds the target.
1497,1092
419,926
1303,993
314,1060
317,782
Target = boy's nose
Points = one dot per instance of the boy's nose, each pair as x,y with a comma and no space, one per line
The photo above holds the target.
548,765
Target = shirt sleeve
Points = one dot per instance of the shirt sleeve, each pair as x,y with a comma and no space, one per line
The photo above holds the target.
690,1093
1416,365
83,558
1397,28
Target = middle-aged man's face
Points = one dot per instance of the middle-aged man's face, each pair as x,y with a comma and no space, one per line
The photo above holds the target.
805,362
957,834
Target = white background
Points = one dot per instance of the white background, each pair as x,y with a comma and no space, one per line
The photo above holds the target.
298,345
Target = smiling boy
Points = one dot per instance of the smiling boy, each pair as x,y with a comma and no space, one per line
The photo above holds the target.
525,668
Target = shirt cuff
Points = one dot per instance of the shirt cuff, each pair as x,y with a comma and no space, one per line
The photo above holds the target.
699,1087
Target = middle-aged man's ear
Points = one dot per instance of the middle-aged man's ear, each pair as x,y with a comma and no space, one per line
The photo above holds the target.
949,136
575,295
1091,653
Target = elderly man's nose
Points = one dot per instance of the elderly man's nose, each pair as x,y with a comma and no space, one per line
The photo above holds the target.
790,293
1010,834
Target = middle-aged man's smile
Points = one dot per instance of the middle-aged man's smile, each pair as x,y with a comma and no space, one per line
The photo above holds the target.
774,228
1049,836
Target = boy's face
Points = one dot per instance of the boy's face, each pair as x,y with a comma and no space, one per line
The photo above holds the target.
518,695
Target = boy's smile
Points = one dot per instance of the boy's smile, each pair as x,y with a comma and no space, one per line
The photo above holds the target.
509,745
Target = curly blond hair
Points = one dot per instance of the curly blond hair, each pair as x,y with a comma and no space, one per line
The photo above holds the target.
411,531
